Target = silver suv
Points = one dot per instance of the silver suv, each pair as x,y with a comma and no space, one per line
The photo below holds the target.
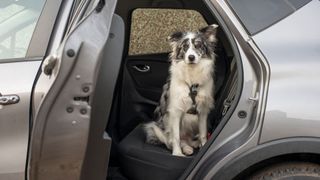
79,77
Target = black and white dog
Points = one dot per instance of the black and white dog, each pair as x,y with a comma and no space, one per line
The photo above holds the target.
187,98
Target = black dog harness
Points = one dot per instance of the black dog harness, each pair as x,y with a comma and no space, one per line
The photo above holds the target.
193,93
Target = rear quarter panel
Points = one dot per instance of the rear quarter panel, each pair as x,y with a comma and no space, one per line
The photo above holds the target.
292,47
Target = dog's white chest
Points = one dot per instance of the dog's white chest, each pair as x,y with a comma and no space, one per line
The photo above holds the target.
180,97
183,76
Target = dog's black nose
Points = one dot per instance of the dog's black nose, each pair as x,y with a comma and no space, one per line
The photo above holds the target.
191,57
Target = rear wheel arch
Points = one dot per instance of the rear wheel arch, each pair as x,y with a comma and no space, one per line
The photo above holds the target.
290,164
271,153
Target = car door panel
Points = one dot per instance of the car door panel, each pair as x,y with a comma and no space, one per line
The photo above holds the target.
141,90
61,125
149,73
97,154
15,117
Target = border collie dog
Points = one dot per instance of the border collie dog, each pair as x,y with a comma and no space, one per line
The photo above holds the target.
187,97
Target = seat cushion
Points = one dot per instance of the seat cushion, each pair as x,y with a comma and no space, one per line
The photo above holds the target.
140,160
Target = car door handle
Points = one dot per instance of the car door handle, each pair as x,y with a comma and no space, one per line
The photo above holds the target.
9,99
142,68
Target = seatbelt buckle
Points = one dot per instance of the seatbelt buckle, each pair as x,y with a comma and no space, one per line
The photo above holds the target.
226,106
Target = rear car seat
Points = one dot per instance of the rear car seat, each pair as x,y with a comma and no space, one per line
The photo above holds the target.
142,161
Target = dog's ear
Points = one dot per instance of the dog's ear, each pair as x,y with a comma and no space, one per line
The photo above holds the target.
176,36
210,32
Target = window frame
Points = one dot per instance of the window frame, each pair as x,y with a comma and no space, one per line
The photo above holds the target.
44,29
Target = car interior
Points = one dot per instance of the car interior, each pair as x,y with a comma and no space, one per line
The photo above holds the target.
143,72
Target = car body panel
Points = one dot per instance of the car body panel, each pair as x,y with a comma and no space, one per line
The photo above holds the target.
238,134
283,147
17,78
292,48
276,129
215,163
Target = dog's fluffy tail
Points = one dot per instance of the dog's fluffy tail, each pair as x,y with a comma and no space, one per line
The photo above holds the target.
154,134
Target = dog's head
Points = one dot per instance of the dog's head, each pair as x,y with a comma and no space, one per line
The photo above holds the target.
191,47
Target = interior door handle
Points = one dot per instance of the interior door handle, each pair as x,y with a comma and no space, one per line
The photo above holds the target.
142,68
9,99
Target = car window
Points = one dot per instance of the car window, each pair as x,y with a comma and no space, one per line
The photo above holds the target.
151,27
257,15
17,23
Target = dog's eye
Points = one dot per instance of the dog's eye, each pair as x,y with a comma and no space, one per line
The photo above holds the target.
197,45
185,46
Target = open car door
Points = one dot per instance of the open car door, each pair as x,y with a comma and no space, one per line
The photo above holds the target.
65,124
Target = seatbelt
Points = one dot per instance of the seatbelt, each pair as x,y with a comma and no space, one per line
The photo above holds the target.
232,90
226,98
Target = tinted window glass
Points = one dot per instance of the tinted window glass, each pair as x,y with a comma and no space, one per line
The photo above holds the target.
256,15
17,22
151,27
298,3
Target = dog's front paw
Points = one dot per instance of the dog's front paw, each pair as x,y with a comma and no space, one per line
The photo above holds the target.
178,153
187,150
203,141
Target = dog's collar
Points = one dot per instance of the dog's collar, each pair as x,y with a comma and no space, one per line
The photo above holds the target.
193,93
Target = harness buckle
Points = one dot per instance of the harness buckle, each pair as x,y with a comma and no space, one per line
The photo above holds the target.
194,89
193,93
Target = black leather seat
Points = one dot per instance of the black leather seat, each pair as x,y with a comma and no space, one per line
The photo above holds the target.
142,161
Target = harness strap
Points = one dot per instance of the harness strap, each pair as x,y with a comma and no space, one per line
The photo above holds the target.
193,93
